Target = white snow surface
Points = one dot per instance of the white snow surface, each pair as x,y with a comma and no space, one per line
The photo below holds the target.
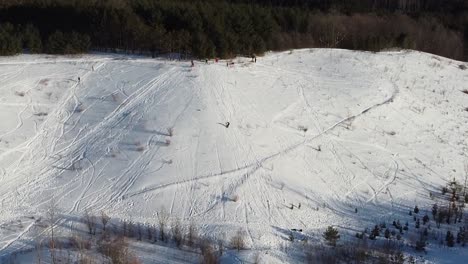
324,130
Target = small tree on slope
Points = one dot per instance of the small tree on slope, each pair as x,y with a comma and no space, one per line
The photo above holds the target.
331,236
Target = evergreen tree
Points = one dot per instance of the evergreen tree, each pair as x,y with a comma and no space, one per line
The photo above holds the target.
425,219
331,236
32,39
10,43
387,233
450,239
434,211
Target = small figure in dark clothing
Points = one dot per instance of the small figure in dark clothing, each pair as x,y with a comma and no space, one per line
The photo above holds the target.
254,58
79,80
226,125
192,63
206,60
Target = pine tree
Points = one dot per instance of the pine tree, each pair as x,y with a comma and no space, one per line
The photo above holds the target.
434,211
10,43
387,233
331,236
450,239
425,219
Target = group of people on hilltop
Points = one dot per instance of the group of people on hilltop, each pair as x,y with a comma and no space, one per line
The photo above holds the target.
228,63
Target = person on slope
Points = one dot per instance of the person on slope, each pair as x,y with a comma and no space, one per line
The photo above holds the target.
226,125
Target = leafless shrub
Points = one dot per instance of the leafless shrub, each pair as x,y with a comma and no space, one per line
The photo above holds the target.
90,221
79,243
116,249
257,258
115,97
163,216
130,229
170,131
192,235
177,235
167,161
220,242
235,198
209,255
302,128
124,228
140,148
237,241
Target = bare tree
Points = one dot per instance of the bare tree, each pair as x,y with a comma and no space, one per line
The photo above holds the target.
90,221
104,220
117,250
149,232
237,241
208,252
131,227
38,249
52,218
163,216
139,231
191,235
177,232
464,185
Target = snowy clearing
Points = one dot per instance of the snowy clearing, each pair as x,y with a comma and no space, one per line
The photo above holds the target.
313,135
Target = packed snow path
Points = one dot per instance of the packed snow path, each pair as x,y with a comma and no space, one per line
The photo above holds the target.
313,135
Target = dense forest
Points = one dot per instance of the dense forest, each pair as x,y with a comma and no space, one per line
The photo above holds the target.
226,28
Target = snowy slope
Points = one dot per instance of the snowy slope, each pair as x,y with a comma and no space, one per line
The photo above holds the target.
324,130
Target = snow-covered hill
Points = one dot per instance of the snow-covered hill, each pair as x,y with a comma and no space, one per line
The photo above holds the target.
313,136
